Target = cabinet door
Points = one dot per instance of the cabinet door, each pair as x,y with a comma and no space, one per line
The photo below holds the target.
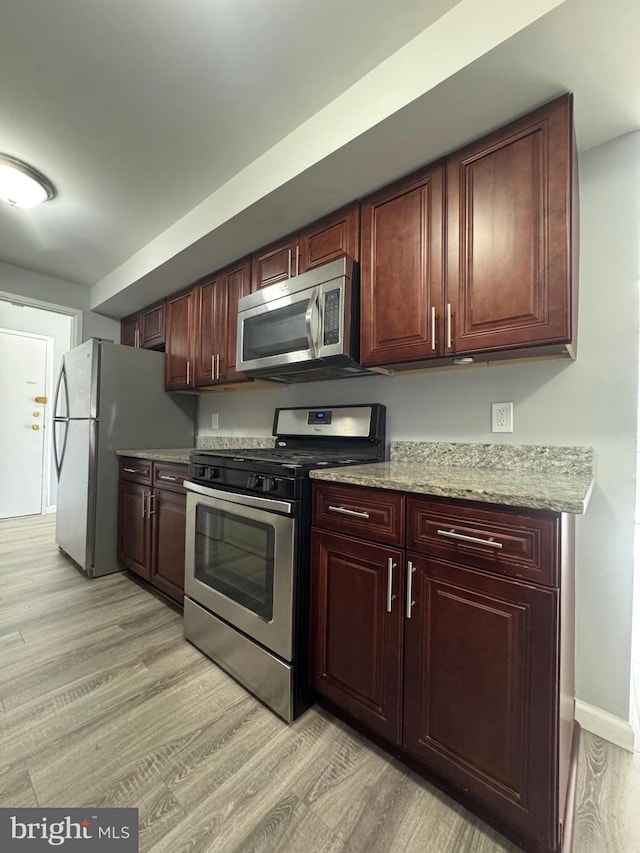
237,284
330,238
402,270
168,513
509,215
480,692
179,362
276,262
152,327
129,332
134,538
210,304
356,642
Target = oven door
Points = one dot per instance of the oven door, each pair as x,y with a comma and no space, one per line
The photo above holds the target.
279,332
240,562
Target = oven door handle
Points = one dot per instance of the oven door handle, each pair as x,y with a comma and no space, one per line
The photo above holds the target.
267,504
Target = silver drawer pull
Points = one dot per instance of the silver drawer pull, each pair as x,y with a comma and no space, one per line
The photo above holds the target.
131,470
451,534
349,511
166,477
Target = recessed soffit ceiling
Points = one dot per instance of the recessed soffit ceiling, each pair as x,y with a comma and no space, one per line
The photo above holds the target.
149,122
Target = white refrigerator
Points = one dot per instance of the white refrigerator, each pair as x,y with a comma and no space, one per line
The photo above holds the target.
108,397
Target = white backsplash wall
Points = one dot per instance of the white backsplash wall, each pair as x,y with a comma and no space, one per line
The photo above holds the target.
592,401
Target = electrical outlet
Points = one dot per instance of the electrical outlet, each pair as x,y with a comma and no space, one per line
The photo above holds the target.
502,417
214,420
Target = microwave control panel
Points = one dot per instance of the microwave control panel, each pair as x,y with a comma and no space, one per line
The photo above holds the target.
331,317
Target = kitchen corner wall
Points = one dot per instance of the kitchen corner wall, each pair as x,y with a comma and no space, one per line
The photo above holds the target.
590,402
65,294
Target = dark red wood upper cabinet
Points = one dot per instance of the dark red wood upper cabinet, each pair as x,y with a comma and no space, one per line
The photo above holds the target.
275,262
480,693
509,233
238,284
129,331
209,304
329,238
356,642
179,361
152,327
402,270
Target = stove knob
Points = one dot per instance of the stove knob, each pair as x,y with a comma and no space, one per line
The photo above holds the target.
253,481
268,484
213,473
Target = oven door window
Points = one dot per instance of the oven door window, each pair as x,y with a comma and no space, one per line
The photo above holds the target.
235,555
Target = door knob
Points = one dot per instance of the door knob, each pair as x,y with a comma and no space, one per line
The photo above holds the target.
35,426
41,399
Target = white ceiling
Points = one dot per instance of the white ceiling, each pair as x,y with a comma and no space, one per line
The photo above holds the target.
182,140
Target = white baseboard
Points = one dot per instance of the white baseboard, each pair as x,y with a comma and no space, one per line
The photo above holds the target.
49,509
605,725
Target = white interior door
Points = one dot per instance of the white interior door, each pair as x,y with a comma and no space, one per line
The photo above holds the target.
23,374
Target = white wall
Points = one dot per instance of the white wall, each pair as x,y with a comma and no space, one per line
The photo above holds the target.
24,318
590,402
66,294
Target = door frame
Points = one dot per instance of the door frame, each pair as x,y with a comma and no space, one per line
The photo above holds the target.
45,479
74,313
76,316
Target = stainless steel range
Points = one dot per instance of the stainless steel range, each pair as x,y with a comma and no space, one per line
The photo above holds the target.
247,554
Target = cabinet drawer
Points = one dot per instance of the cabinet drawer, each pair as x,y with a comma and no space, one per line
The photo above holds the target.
371,514
510,542
167,475
138,470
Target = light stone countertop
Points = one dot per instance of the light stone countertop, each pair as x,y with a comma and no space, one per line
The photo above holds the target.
160,455
549,490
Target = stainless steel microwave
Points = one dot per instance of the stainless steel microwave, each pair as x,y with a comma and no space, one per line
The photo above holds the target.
302,329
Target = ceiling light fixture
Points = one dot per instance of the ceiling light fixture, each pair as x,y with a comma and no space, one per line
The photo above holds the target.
21,185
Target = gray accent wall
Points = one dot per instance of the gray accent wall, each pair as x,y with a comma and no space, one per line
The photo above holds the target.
590,402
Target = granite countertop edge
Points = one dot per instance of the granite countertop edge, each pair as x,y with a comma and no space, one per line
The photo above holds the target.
522,488
178,455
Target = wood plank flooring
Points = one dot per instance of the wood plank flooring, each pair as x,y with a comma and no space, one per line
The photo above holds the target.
102,703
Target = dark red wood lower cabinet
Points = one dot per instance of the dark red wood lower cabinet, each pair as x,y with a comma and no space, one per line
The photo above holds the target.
169,518
134,537
480,692
356,641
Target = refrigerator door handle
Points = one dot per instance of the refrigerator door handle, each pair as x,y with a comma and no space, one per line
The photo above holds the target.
59,456
61,388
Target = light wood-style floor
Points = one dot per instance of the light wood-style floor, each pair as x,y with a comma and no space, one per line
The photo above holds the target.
102,703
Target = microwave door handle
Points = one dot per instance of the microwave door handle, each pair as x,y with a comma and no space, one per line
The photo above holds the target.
308,319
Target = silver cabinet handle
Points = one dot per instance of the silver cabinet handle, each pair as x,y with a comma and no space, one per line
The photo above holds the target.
349,511
144,509
289,276
433,327
451,534
390,596
131,470
448,325
217,365
136,338
188,371
152,497
297,259
213,370
166,477
410,570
